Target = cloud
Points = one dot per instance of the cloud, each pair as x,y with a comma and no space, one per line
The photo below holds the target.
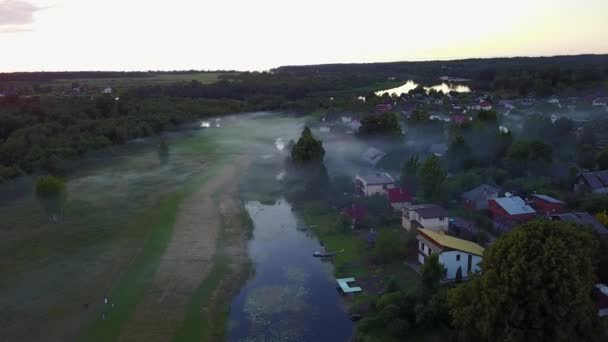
16,13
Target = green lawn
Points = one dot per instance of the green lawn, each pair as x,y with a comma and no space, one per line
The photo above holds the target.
131,287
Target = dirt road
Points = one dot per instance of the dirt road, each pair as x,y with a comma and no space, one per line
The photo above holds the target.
187,259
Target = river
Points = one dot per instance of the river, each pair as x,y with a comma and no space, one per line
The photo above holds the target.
292,296
411,85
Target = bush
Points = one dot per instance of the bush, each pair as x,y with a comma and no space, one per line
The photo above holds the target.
389,247
9,172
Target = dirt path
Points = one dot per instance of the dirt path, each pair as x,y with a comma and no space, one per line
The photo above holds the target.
187,260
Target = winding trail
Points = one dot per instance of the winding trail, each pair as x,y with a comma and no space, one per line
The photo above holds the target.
187,259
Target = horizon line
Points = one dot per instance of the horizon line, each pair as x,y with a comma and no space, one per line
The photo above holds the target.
421,60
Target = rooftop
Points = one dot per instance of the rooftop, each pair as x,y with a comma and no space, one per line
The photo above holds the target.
451,242
514,205
373,156
430,210
548,199
377,178
597,179
582,218
480,192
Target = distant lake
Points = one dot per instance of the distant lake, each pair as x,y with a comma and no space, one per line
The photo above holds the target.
410,85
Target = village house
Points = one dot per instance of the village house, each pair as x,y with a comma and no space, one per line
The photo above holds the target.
477,198
454,253
553,100
583,219
595,182
601,295
383,107
374,183
372,156
428,216
546,205
509,211
485,105
438,149
399,198
507,104
462,228
482,105
601,102
440,117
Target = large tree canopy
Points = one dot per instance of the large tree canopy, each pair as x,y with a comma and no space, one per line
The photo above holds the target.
535,285
432,177
385,123
307,149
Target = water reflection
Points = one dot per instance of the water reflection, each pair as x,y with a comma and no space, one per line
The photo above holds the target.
411,85
292,296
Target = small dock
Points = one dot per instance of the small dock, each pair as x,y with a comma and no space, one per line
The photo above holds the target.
345,288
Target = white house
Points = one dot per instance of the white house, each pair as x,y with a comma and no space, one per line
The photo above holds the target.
427,216
482,105
454,253
107,91
374,183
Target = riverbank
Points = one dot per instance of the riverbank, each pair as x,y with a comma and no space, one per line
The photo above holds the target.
376,272
131,236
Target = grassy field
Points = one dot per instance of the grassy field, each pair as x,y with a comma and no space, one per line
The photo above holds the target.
127,293
118,219
357,256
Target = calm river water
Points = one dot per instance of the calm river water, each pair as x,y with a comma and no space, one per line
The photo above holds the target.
292,296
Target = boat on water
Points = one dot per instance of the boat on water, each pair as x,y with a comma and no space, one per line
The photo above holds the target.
324,254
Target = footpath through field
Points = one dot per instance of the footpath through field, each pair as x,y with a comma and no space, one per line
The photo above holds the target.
187,260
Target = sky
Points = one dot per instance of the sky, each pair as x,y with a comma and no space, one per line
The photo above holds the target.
68,35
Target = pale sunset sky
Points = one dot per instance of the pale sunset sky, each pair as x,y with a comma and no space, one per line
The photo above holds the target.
58,35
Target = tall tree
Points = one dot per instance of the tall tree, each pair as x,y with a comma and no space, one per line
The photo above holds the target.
529,156
535,285
308,149
602,159
385,123
432,177
459,154
431,272
409,173
52,194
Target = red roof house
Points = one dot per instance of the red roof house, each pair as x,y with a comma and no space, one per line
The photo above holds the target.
546,205
398,198
508,211
485,105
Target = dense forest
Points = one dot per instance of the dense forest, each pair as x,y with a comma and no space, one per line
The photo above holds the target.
37,130
525,75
